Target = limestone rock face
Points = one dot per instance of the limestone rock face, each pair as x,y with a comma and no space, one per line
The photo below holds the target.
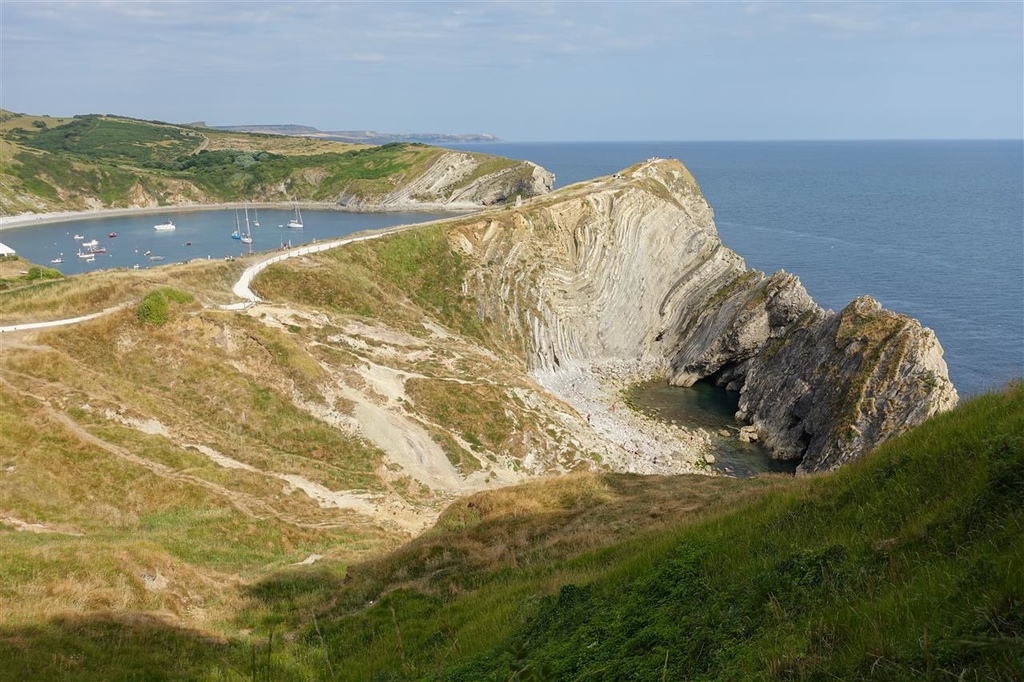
630,270
828,391
452,182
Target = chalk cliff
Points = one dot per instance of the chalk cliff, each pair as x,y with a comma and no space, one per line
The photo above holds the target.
629,271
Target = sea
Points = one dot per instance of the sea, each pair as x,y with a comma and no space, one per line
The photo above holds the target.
932,229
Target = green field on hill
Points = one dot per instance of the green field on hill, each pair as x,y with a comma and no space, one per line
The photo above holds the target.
94,160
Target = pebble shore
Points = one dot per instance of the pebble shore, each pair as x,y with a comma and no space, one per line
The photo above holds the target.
645,445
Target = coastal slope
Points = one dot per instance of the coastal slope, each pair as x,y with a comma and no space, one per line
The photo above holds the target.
101,162
626,275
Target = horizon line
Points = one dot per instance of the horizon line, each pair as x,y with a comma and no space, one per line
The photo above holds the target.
779,139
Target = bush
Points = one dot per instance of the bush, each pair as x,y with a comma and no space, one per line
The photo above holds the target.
35,272
155,307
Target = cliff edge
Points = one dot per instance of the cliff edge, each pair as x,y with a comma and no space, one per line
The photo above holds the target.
628,272
455,180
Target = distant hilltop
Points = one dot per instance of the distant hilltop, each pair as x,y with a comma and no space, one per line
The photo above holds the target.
358,136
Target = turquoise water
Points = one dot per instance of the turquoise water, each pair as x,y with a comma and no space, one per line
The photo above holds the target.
710,408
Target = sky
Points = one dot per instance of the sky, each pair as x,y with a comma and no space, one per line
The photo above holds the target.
530,71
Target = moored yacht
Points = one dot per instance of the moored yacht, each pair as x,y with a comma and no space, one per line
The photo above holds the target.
296,221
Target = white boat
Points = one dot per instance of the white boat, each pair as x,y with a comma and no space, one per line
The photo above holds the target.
90,244
255,217
164,227
247,237
87,254
156,258
56,260
237,234
295,222
90,259
79,236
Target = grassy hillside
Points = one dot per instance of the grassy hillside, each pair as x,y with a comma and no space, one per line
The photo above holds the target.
97,161
906,565
157,462
170,472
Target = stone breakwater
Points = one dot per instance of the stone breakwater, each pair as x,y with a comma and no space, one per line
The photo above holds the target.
628,271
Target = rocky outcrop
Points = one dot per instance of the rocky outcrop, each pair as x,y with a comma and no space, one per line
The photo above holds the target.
630,270
457,180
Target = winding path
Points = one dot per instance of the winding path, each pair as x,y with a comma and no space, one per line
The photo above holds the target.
59,323
241,288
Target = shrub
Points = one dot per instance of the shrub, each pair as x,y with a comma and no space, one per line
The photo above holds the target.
36,272
155,307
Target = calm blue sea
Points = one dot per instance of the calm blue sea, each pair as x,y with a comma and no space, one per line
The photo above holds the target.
933,229
198,234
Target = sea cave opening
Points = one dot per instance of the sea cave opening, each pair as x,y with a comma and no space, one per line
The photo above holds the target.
712,408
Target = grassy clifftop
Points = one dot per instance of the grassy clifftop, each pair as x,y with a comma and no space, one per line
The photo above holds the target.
102,161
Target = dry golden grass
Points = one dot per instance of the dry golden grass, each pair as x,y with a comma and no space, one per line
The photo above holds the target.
74,465
547,521
288,145
26,121
591,509
209,281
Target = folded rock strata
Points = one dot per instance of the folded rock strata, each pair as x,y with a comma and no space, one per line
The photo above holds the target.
455,181
629,270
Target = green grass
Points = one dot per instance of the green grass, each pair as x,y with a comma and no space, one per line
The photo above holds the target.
34,276
395,279
117,139
155,307
69,163
905,565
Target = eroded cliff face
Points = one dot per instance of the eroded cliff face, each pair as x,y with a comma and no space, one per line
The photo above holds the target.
456,180
629,271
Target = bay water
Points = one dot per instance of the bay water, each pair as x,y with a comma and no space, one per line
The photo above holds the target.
204,233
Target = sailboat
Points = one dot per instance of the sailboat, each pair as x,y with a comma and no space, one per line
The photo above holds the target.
247,237
237,234
296,222
256,216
